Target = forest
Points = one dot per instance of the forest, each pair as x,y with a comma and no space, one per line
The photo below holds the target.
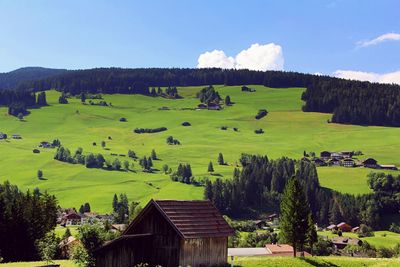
259,186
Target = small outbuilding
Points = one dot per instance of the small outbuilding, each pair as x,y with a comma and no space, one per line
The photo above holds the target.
325,155
170,233
389,167
370,163
344,227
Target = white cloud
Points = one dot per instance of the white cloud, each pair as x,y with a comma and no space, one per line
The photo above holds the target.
217,59
391,77
256,57
380,39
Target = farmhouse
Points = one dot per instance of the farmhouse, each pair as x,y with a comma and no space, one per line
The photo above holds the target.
344,227
347,154
355,229
325,155
389,167
71,219
170,233
348,162
334,162
370,163
319,162
341,242
331,227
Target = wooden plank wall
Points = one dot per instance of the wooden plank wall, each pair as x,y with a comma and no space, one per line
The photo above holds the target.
203,252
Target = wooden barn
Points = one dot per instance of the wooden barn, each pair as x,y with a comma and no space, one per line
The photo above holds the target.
170,233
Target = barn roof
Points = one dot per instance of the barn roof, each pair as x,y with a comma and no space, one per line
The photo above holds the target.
191,219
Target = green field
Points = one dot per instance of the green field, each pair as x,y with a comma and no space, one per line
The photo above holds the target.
381,238
288,132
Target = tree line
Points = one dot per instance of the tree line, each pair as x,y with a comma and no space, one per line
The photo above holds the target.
354,102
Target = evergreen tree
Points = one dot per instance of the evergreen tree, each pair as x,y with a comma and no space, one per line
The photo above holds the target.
83,97
41,99
116,165
40,174
228,100
153,155
165,168
103,144
295,212
115,203
210,167
67,233
335,215
221,159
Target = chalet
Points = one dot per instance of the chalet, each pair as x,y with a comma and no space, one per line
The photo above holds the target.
214,106
388,167
348,162
344,227
325,155
355,229
71,219
319,162
334,162
272,217
336,155
347,154
260,223
331,227
370,163
170,233
89,218
340,242
201,106
16,136
3,136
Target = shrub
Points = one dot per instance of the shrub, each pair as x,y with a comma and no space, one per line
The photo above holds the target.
149,130
186,123
224,128
259,131
261,113
36,151
123,120
235,129
171,141
365,231
47,247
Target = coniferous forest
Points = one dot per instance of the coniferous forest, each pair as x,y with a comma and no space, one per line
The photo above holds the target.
351,102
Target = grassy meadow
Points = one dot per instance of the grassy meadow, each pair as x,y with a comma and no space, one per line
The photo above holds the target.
288,132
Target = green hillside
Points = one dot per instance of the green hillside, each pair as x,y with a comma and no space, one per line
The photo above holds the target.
288,132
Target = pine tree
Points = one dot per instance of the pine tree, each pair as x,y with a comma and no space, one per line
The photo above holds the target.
40,174
221,159
312,236
67,233
83,97
295,211
153,155
228,100
115,203
210,167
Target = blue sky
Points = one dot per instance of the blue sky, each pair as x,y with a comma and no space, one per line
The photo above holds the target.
312,36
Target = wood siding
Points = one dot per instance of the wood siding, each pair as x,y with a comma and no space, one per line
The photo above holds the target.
203,251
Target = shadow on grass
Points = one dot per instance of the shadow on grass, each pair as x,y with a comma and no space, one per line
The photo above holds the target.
43,179
313,262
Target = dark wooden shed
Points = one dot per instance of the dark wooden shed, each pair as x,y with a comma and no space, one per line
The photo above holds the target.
170,233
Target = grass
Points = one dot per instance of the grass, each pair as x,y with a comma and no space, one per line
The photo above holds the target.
59,230
63,263
381,238
314,261
288,132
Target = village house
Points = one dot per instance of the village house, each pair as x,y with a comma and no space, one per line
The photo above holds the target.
170,233
336,155
16,136
331,227
260,224
370,163
355,229
319,162
348,162
340,242
347,154
334,162
344,227
388,167
325,155
71,219
282,250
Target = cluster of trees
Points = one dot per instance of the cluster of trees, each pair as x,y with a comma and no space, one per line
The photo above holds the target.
259,186
172,141
123,211
261,113
90,160
149,130
146,163
18,102
84,208
183,174
63,98
259,131
209,95
24,219
354,102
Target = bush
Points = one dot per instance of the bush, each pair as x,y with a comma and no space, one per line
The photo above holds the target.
224,128
261,113
383,252
365,231
186,123
149,130
36,151
171,141
47,247
235,129
259,131
322,247
123,120
80,256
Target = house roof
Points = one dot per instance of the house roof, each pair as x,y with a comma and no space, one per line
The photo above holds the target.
191,219
342,224
345,240
332,226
